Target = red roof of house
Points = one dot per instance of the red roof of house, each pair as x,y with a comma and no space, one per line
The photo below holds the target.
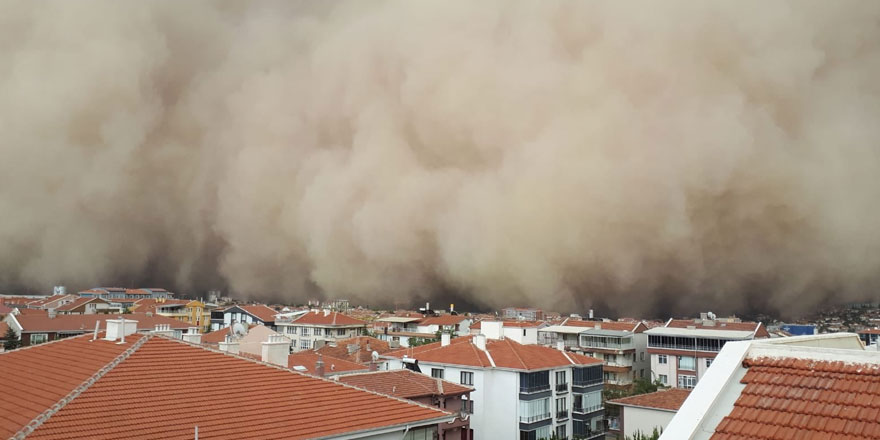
871,331
72,323
442,320
142,398
760,330
149,304
332,365
45,301
362,354
4,327
506,353
333,318
36,312
264,313
616,326
4,309
405,384
216,336
18,300
786,398
670,399
78,302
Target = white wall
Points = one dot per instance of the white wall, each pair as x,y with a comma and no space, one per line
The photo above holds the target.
668,369
516,333
644,420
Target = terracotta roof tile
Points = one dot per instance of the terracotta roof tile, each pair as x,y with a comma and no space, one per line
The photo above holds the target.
78,302
365,347
670,399
797,398
86,323
216,336
404,383
616,326
139,399
333,318
871,331
264,313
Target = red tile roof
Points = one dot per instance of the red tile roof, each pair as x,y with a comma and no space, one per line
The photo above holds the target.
140,398
78,302
216,336
38,312
4,309
332,365
70,323
721,325
149,304
786,398
670,399
18,300
264,313
506,353
4,327
365,348
442,320
405,384
871,331
333,318
616,326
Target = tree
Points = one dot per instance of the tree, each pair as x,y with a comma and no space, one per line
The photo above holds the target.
10,340
642,436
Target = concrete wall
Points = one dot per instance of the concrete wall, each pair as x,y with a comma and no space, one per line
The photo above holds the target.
668,369
644,420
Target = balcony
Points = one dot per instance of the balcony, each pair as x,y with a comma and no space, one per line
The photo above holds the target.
534,388
533,419
588,383
586,409
561,415
562,388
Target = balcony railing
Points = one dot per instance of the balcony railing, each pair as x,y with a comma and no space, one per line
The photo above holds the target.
534,388
587,383
561,415
587,409
533,419
561,387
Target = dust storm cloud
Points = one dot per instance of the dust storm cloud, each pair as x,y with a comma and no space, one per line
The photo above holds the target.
556,154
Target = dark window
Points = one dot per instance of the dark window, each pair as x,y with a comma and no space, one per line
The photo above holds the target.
467,378
437,372
587,376
534,382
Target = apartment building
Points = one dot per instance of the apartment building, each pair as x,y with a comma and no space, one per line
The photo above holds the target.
524,332
522,314
682,350
245,314
313,329
521,391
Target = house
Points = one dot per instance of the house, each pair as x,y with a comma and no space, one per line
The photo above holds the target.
522,314
802,387
313,329
622,345
453,324
399,331
309,362
644,413
870,336
193,312
423,389
252,341
85,306
682,350
53,302
524,332
35,329
245,314
520,391
358,349
122,380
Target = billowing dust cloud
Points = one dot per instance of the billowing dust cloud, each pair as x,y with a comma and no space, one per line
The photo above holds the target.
555,154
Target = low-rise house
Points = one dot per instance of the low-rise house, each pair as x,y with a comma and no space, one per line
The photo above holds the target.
520,391
802,387
423,389
523,314
644,413
193,312
245,314
682,350
453,324
121,380
314,329
33,329
870,336
316,364
401,330
622,345
524,332
86,306
358,349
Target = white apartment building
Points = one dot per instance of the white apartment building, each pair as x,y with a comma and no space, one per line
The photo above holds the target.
683,350
521,391
317,327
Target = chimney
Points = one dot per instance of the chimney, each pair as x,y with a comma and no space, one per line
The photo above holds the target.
704,316
164,330
229,345
52,313
591,313
326,312
319,366
192,336
480,341
119,329
598,326
276,350
492,329
452,308
560,345
444,339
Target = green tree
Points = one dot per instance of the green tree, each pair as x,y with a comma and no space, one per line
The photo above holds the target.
10,340
642,436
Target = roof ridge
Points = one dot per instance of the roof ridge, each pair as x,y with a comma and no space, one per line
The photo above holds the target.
45,415
513,349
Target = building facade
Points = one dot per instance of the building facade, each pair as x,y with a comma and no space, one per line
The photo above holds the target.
315,328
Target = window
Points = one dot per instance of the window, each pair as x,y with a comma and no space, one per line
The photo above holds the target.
305,344
582,377
437,372
467,405
290,330
531,411
664,379
661,359
687,381
467,378
560,431
304,331
587,403
327,332
524,332
340,332
708,363
561,381
643,356
687,363
534,382
561,408
39,338
420,434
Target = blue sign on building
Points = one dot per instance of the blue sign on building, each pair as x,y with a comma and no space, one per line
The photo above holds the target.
799,329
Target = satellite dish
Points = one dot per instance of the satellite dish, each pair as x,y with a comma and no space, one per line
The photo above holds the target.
238,329
375,356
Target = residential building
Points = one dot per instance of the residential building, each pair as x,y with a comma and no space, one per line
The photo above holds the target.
453,324
870,336
309,362
111,293
252,341
622,345
522,314
33,329
122,380
421,388
245,314
400,331
644,413
524,332
193,312
682,350
802,387
314,329
520,391
85,306
358,349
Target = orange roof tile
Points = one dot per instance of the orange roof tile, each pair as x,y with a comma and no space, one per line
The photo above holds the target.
149,304
670,399
60,323
616,326
786,398
404,383
139,398
78,302
870,331
332,365
216,336
720,325
365,347
264,313
506,353
333,318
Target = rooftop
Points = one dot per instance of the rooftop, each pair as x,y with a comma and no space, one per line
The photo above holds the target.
264,313
306,361
720,324
136,390
78,302
318,317
443,320
75,323
365,347
669,400
405,384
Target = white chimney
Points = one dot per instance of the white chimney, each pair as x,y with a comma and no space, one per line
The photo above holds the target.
444,339
164,330
492,329
560,345
192,336
480,341
276,350
326,312
52,313
229,345
119,329
591,313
